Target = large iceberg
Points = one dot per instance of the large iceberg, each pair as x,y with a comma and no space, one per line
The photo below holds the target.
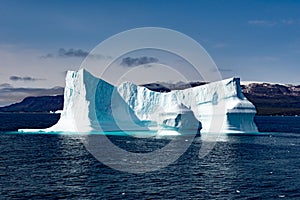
92,104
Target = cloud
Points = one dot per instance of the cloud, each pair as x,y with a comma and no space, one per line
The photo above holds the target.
270,23
5,85
219,45
221,70
289,21
270,58
72,53
225,70
49,55
35,91
9,95
75,53
25,78
131,62
262,22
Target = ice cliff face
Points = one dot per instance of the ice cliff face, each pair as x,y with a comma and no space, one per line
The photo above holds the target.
91,104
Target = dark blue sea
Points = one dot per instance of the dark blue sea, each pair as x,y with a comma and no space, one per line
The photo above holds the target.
55,166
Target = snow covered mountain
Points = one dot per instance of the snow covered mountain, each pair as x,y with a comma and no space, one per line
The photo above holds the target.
273,99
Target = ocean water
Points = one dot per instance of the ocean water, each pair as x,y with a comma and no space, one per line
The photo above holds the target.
55,166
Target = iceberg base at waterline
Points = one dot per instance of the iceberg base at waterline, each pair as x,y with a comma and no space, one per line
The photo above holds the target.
94,105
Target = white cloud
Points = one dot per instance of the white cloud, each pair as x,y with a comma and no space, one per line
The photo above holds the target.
288,22
262,22
219,45
270,58
271,23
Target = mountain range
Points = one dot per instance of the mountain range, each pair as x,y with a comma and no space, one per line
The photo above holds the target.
273,99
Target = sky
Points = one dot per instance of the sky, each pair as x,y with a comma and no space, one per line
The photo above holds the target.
41,40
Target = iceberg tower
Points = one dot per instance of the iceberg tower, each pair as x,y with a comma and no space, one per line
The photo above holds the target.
91,104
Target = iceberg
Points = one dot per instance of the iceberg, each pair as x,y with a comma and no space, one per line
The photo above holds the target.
92,105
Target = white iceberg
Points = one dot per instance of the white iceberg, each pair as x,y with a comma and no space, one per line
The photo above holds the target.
91,104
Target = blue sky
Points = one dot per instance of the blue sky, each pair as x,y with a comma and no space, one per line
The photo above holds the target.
255,40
